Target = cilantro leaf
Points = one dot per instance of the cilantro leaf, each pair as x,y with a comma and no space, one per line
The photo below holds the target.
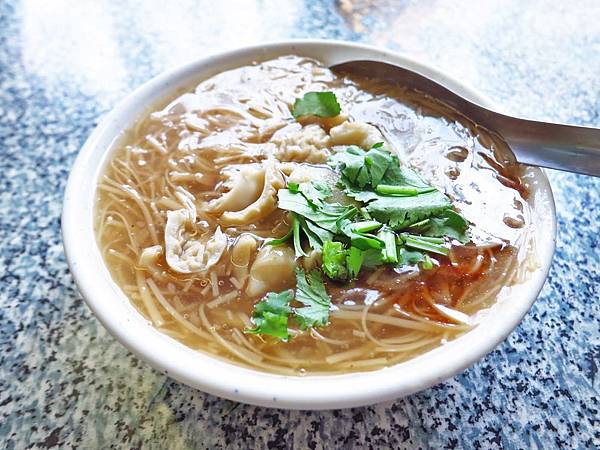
399,212
298,250
323,188
378,161
351,162
354,261
364,169
312,216
270,315
310,291
448,223
315,234
320,104
315,192
359,239
409,257
425,243
325,216
343,264
372,258
282,240
334,260
397,197
366,176
403,176
356,193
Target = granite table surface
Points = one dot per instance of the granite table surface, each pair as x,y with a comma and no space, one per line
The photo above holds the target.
66,383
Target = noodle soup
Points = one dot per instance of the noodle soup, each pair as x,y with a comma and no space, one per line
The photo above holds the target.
239,220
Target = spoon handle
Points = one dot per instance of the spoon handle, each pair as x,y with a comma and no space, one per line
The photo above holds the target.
552,145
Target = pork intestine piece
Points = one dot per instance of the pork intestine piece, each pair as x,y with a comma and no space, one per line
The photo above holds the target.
245,183
185,254
241,255
252,195
272,271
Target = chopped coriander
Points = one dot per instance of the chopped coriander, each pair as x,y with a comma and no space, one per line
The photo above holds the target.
398,175
310,291
430,239
293,187
400,212
358,239
364,169
354,261
403,191
270,315
408,257
449,223
318,220
315,193
320,104
427,263
397,197
334,260
323,188
342,264
424,243
350,162
390,252
282,240
299,251
366,226
324,216
364,213
372,258
379,162
399,218
315,234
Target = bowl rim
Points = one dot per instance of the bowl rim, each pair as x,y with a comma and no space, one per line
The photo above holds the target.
225,379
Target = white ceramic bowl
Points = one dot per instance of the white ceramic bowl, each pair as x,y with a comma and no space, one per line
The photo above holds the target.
217,377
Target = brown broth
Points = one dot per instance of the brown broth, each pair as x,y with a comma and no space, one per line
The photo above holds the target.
387,315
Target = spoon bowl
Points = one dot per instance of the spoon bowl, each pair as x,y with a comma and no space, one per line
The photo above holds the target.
543,144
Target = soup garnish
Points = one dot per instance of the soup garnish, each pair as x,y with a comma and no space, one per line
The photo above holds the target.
348,235
318,104
296,222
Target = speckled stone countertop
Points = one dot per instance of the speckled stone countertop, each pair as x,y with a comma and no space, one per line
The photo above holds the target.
65,382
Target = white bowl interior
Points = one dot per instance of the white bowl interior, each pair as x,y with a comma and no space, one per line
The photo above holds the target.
221,378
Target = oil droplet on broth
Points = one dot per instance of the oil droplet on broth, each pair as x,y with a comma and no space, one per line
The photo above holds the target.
453,173
514,222
457,154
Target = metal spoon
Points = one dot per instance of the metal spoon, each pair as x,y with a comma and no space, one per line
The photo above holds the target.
552,145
